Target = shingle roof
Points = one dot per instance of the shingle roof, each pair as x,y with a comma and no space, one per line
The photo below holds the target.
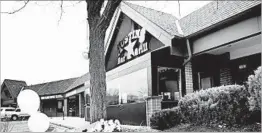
163,20
14,86
212,13
79,81
52,88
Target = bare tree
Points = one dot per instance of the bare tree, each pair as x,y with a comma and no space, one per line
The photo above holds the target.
98,23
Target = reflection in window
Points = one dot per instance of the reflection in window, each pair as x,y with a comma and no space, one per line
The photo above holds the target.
169,83
128,89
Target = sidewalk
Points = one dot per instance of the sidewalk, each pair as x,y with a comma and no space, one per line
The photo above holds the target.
70,122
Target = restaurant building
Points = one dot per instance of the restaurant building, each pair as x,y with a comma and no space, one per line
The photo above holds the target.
153,59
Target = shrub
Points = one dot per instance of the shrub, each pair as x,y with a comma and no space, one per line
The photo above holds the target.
224,104
254,87
166,118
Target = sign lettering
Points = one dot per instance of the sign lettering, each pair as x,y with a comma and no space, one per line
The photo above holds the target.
132,45
52,97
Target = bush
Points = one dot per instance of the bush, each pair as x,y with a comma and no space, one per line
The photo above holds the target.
224,104
166,118
254,88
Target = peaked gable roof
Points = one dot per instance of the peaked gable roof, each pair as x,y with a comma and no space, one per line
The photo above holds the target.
52,88
14,86
164,20
79,81
213,13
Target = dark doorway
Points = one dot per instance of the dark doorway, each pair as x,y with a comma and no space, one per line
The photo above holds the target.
73,106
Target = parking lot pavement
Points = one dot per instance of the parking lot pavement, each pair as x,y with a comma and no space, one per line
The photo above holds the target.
21,126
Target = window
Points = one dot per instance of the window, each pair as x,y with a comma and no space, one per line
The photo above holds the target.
18,110
10,110
168,83
206,83
7,94
87,96
128,88
60,106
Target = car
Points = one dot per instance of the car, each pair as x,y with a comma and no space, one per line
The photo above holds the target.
12,113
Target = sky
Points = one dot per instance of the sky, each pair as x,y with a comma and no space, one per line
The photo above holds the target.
36,48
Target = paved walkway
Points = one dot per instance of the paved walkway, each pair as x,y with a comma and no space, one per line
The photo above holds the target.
21,126
70,122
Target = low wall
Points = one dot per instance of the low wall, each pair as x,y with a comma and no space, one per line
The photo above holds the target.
130,113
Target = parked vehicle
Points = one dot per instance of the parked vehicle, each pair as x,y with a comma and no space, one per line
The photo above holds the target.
12,113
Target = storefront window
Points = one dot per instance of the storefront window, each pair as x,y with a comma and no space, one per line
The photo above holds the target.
168,83
59,106
128,89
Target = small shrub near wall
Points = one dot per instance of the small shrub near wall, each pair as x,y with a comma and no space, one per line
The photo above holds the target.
254,87
166,118
224,104
219,105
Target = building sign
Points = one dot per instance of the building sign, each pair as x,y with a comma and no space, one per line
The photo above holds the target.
132,45
52,97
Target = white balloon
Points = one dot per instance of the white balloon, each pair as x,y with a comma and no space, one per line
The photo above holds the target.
38,122
28,101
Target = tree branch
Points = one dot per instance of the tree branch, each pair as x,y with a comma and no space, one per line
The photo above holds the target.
108,12
61,12
15,11
94,7
179,8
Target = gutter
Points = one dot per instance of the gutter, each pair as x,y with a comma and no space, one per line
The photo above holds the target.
189,53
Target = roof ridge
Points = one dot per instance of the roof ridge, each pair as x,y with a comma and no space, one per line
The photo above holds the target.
54,81
152,9
168,32
14,80
199,8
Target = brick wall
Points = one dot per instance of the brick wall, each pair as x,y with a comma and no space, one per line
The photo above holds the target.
225,76
188,78
153,104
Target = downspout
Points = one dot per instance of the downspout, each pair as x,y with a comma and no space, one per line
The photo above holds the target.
189,53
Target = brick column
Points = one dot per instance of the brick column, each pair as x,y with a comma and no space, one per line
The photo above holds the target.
81,105
153,104
225,76
65,107
188,78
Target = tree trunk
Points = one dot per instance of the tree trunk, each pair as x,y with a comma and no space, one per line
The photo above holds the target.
97,26
97,73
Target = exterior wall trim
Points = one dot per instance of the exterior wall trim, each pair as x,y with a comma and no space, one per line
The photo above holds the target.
237,40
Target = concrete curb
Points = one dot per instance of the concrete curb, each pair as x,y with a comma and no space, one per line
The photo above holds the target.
69,127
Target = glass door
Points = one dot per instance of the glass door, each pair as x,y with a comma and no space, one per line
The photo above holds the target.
168,83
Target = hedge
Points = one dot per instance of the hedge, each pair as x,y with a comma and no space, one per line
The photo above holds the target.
224,104
166,118
254,87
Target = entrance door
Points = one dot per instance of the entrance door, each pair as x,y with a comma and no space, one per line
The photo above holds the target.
73,106
206,82
168,83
